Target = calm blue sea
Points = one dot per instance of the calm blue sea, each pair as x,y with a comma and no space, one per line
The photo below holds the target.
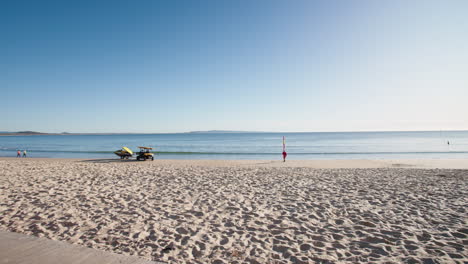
329,145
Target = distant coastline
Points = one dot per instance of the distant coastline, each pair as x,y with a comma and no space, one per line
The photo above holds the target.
34,133
24,133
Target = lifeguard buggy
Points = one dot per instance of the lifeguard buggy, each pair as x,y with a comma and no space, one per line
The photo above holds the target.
145,154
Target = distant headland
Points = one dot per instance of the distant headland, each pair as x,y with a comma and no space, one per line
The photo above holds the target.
21,133
30,133
35,133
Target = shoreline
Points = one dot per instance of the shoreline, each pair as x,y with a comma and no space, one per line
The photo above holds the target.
317,164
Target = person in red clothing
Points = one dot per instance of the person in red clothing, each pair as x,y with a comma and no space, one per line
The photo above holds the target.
284,149
18,154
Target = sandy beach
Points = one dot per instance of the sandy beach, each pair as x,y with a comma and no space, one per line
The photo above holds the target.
201,211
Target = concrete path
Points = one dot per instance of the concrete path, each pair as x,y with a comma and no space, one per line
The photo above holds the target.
18,248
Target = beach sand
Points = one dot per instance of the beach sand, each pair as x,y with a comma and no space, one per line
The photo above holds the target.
200,211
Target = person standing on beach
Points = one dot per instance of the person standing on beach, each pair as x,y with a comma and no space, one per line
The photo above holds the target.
284,150
18,154
24,153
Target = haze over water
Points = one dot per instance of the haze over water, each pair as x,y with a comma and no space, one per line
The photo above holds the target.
265,146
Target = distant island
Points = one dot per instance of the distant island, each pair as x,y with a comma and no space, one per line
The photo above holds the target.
21,133
28,133
35,133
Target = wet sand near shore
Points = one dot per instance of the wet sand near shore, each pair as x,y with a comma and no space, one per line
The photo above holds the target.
202,211
318,164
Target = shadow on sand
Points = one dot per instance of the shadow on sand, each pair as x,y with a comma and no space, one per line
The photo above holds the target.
110,160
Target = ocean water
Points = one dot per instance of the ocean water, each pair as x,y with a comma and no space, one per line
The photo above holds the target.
300,146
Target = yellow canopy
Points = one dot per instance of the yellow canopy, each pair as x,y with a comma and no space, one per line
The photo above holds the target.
127,150
145,148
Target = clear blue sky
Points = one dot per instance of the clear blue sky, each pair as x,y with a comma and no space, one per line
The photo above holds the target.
174,66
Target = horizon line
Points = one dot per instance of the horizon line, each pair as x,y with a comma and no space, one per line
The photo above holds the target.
30,132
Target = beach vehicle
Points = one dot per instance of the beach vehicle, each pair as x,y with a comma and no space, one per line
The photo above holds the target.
124,153
145,154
